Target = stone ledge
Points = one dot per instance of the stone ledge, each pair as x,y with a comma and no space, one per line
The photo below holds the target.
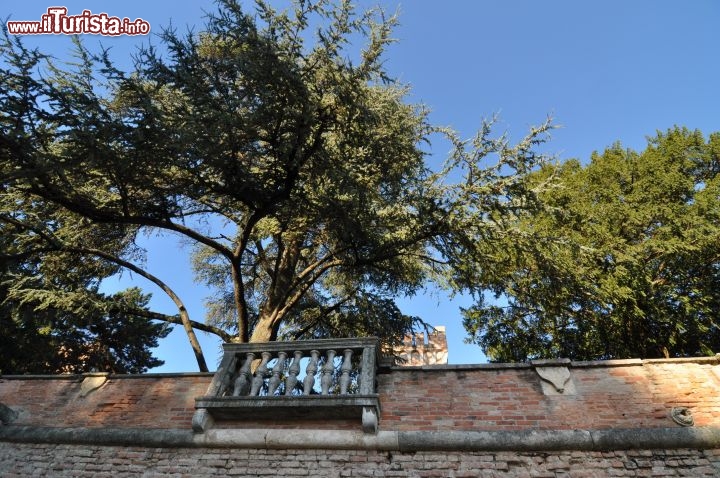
97,436
634,362
68,377
282,407
713,359
80,377
562,440
709,360
407,441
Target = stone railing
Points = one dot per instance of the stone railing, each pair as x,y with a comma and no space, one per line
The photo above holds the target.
317,379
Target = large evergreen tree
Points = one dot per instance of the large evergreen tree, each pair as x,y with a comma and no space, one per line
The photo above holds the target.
286,154
620,259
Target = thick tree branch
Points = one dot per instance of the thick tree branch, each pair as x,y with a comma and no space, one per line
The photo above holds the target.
51,193
322,313
293,300
60,246
175,319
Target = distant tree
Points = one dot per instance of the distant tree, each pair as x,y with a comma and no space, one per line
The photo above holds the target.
296,171
620,258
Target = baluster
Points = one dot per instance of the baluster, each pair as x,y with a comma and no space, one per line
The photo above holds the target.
310,372
326,372
293,372
276,372
260,374
224,388
242,382
345,369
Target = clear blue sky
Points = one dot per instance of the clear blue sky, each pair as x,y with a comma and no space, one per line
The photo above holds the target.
607,71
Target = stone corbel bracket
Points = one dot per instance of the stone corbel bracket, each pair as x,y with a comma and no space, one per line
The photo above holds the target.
92,382
555,376
370,420
7,414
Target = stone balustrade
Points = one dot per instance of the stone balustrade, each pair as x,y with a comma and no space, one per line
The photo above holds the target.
316,379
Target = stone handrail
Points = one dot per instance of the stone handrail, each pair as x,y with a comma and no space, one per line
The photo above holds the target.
329,378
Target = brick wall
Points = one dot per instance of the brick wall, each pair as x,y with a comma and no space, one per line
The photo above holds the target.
622,394
148,401
626,394
112,462
510,398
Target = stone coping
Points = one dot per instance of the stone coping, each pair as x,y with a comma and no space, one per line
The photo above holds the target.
710,360
82,376
406,441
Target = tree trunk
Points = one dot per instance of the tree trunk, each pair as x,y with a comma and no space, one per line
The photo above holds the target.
264,331
240,305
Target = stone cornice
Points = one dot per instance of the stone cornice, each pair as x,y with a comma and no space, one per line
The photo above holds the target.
406,441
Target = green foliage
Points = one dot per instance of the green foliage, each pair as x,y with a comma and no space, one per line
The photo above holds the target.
619,258
282,152
53,318
55,325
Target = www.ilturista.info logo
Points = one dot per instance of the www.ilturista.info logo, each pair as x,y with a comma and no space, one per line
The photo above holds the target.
57,22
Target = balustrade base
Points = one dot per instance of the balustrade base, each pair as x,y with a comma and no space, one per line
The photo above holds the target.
278,408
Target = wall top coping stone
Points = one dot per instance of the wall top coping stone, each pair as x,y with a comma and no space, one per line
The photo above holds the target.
559,362
710,360
110,376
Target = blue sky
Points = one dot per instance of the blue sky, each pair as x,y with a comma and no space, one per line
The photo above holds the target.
606,71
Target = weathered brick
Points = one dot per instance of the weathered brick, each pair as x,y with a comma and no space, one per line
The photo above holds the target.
20,460
638,395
